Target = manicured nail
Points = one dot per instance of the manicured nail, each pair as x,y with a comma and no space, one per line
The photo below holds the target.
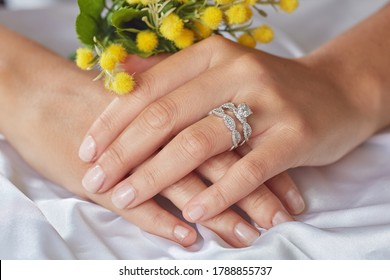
196,213
93,179
87,149
281,217
295,201
181,233
246,234
123,196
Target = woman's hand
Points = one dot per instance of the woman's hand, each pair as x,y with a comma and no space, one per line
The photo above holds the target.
51,128
296,119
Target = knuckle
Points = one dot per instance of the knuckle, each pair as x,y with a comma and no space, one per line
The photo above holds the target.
221,198
217,166
180,188
196,144
159,220
159,116
251,172
259,200
116,155
151,177
106,121
146,86
248,64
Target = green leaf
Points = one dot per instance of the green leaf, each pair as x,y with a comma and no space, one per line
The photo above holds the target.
123,16
93,8
86,29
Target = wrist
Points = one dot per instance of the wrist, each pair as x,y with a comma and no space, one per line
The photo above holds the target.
354,81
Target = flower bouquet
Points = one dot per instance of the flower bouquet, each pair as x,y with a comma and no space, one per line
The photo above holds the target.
109,30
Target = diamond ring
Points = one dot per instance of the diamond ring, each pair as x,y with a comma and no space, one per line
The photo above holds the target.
241,112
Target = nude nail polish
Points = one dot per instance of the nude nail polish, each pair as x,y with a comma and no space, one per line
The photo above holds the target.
123,196
93,179
196,213
246,234
181,233
295,201
281,217
87,149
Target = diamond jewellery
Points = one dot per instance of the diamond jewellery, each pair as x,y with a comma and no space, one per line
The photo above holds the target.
241,112
230,124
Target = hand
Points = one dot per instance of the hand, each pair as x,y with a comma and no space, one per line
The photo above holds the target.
158,123
48,140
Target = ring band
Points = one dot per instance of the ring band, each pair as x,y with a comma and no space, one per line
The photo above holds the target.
230,124
241,112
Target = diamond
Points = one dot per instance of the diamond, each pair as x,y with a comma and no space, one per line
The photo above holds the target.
244,110
236,138
229,122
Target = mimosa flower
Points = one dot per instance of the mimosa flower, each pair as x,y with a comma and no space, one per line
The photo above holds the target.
147,41
288,5
171,26
238,14
185,39
201,30
84,58
117,51
247,40
107,61
263,34
212,17
123,83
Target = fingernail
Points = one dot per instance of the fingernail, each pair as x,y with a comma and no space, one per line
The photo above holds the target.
295,201
181,233
281,217
246,234
93,179
87,149
196,213
123,196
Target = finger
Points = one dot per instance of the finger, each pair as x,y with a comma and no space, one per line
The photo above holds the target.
135,64
161,79
155,125
230,226
179,157
150,217
288,193
271,157
263,205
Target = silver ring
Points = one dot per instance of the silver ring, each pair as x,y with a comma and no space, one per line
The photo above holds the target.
230,124
241,112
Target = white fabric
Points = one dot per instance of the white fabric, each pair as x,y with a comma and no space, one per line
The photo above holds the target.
348,203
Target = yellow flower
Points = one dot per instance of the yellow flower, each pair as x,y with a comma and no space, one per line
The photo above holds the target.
185,39
84,57
123,83
263,34
202,31
117,51
133,1
250,2
146,41
223,2
146,2
247,40
288,5
238,14
171,26
212,17
107,61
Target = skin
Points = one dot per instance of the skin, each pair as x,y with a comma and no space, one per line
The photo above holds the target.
47,105
307,112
